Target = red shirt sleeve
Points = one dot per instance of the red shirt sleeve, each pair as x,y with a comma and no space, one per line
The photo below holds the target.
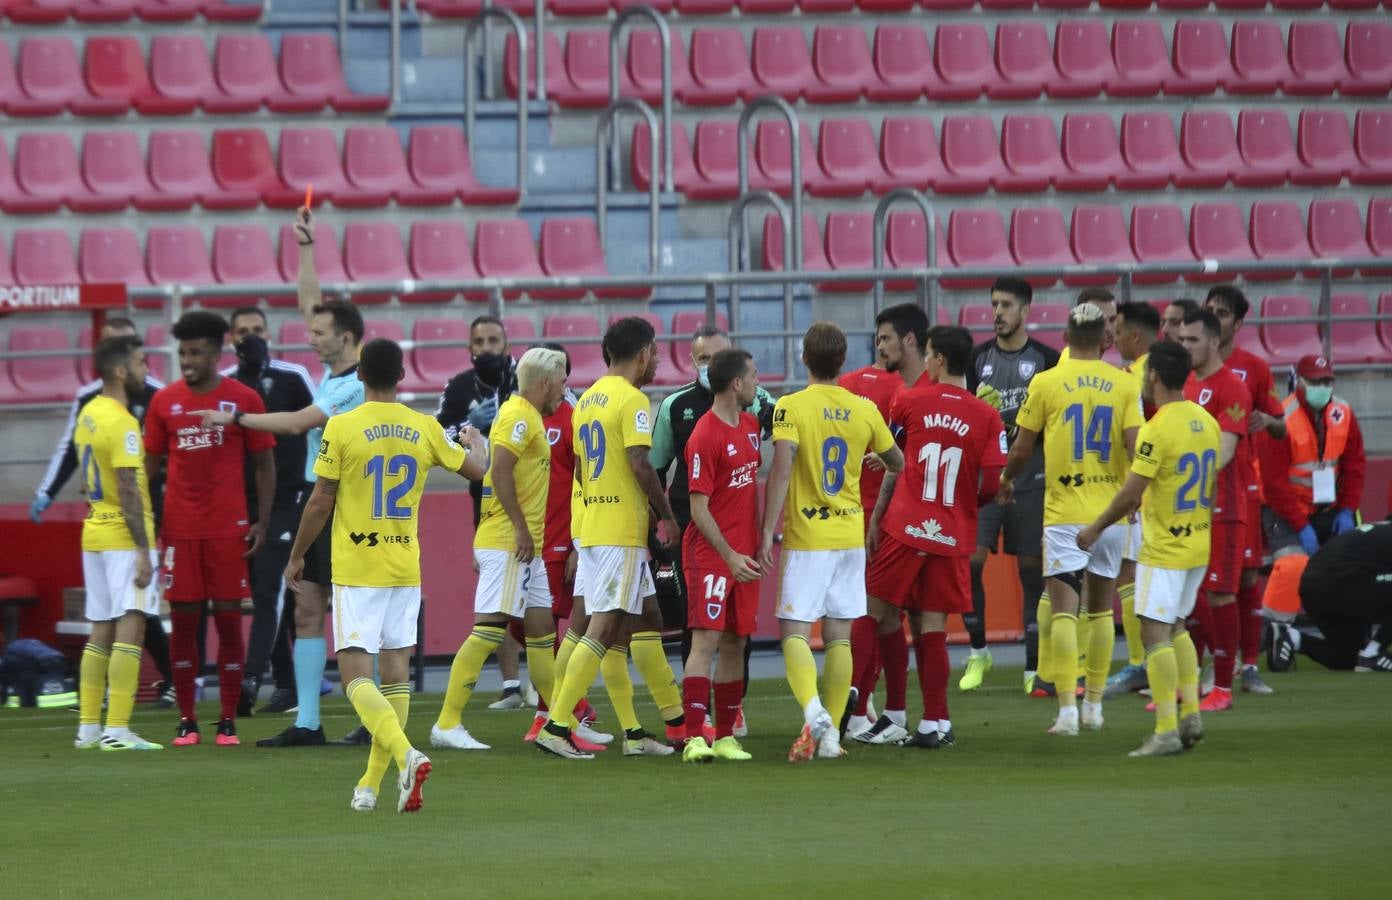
1353,467
256,441
1234,405
1264,394
995,452
701,472
155,441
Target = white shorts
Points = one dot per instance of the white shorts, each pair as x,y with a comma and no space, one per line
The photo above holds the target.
817,584
109,577
1061,553
577,587
375,618
1133,540
509,587
613,579
1167,595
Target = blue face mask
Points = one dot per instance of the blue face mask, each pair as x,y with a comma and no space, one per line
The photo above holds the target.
1318,395
703,376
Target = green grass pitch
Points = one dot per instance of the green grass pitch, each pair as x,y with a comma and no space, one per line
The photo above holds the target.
1288,796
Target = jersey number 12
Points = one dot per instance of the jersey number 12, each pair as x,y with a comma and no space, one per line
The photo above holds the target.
387,501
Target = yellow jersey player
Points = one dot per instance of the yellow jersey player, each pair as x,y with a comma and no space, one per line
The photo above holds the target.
820,436
508,542
117,559
371,468
1088,412
614,599
1175,471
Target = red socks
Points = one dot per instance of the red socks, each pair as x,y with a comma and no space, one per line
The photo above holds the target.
894,653
231,652
1227,624
183,652
865,660
1249,606
1202,629
696,693
728,697
933,672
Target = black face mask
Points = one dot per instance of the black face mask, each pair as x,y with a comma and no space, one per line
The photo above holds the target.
252,355
490,367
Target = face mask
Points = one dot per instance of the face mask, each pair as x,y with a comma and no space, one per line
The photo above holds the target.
1318,395
252,354
703,376
489,367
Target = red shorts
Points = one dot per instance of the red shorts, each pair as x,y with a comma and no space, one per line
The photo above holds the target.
715,601
197,569
1255,549
1225,555
562,598
913,579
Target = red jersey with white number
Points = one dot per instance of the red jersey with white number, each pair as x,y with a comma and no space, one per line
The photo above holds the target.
1224,397
1253,371
722,462
558,435
949,438
879,387
205,488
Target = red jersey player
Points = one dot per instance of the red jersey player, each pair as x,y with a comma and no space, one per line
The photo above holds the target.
924,529
722,587
206,531
1223,395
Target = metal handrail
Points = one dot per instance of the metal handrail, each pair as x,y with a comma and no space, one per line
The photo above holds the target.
485,15
539,66
604,138
780,105
664,37
930,225
738,237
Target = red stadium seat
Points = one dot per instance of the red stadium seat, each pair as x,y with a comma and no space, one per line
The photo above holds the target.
328,261
310,156
1368,51
245,68
903,62
1098,236
685,324
1264,139
441,251
906,243
6,276
1142,61
115,70
1354,342
704,7
1385,320
841,64
1326,148
521,332
586,360
43,256
219,11
1259,57
51,79
1278,232
295,334
1201,57
179,171
1217,231
813,254
177,255
979,319
1158,235
310,68
1151,152
114,167
642,76
9,86
971,155
1037,238
848,154
110,256
1091,151
181,75
766,7
720,71
390,329
1208,144
42,379
1372,141
849,245
503,248
571,246
976,239
13,198
1030,149
909,154
46,166
439,161
587,69
1380,229
437,365
684,172
242,254
39,12
1046,323
1316,58
168,10
965,62
243,164
1336,232
715,159
1025,61
782,64
557,81
1286,343
1083,54
773,155
373,252
375,165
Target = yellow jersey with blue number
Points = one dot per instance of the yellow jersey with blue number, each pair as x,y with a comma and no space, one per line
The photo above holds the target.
107,439
379,453
1178,451
517,429
1082,407
833,430
611,417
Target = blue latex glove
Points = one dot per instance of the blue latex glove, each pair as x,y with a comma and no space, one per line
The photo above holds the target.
1343,522
482,416
1309,540
36,509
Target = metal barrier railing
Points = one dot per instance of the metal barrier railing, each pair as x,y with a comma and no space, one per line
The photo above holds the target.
605,137
664,39
520,31
737,234
777,104
930,228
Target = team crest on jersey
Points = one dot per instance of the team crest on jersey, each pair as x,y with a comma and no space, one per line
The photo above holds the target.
553,435
227,406
266,385
753,440
1026,368
1205,395
713,610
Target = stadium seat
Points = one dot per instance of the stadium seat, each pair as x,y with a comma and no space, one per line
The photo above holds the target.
1259,57
1151,152
51,79
1368,52
1098,236
773,155
782,64
1030,149
375,165
437,365
13,199
1264,139
1287,342
43,256
1384,308
1208,144
310,156
906,242
310,68
6,275
521,332
42,379
1336,232
391,330
1159,235
1083,54
976,239
586,359
372,251
813,253
971,155
909,154
177,255
684,174
242,254
439,161
979,319
38,12
1142,61
503,248
1217,232
685,324
1200,56
557,82
1325,148
1316,58
848,155
1372,141
587,69
1380,230
441,251
1091,152
1037,238
667,374
850,240
720,71
114,168
642,75
1025,61
1278,232
903,63
1046,323
571,247
181,75
716,161
165,11
115,69
1354,342
328,261
965,62
46,166
245,68
179,171
842,66
243,164
295,334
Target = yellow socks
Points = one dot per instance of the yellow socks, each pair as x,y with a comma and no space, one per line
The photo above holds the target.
1064,641
123,673
579,675
379,718
646,650
541,665
91,683
1163,672
619,684
1044,617
802,669
378,758
836,677
1131,624
1101,638
464,672
568,645
1187,661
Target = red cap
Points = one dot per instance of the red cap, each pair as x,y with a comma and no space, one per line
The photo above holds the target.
1314,368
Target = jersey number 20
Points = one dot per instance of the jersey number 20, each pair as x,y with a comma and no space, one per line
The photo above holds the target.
387,501
1200,475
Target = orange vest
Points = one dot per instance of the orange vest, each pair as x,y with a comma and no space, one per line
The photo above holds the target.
1304,444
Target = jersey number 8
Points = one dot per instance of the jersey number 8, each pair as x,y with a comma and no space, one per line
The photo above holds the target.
386,502
834,451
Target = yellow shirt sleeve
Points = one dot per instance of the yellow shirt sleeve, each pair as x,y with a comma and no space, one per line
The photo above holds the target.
447,454
785,420
1150,451
127,452
1132,415
637,421
1031,414
510,430
329,463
